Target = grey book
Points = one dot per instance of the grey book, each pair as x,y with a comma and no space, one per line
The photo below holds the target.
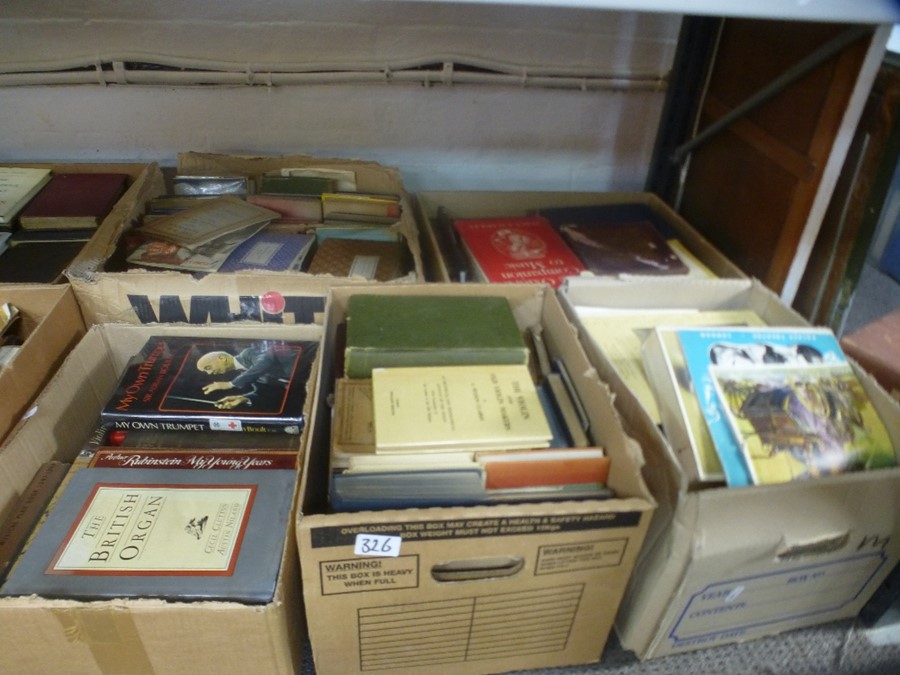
181,535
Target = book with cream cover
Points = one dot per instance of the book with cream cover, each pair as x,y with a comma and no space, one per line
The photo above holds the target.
180,535
457,407
17,186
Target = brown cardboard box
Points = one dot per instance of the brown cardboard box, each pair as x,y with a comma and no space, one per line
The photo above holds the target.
135,635
724,565
471,589
464,204
144,180
876,346
50,324
106,293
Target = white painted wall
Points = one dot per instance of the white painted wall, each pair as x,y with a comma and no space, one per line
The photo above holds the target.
457,136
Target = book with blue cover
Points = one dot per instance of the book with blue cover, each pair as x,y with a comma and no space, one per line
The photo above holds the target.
706,349
270,251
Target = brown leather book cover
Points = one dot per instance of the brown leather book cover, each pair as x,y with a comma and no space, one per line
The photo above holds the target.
74,200
374,260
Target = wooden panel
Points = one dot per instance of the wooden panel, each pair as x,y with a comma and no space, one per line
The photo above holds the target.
750,188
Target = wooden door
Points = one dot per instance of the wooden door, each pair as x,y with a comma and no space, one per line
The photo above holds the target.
752,189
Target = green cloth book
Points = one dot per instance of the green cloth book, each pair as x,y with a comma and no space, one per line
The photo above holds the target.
386,331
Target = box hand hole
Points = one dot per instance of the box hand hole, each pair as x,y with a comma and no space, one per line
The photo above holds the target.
477,569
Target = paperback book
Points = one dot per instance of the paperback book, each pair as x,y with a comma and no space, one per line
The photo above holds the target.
178,383
372,260
802,420
706,350
271,252
180,535
522,249
442,408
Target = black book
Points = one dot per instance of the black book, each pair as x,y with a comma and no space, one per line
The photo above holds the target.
179,383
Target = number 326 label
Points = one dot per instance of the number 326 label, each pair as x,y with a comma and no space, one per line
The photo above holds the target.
377,545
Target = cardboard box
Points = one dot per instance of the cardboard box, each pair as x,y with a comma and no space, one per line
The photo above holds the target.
144,180
463,204
50,324
135,635
109,292
724,565
471,589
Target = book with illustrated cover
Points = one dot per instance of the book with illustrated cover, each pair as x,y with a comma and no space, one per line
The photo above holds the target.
632,248
211,219
179,383
74,201
208,257
441,408
181,535
802,420
270,251
430,330
522,249
708,348
17,187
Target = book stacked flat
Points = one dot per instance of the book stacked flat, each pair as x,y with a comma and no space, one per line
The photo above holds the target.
184,491
50,217
437,404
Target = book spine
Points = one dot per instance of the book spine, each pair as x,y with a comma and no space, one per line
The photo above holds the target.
360,362
180,424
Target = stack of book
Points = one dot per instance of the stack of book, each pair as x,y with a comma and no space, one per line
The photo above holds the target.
749,405
296,220
439,402
185,490
550,244
46,218
10,339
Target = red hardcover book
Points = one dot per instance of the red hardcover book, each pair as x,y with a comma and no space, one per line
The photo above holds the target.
74,200
517,250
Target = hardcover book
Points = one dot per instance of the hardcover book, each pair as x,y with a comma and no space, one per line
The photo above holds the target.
37,262
211,219
430,330
305,209
706,349
634,248
373,260
270,251
74,201
206,460
295,185
181,535
377,208
525,249
211,185
17,186
178,383
442,408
